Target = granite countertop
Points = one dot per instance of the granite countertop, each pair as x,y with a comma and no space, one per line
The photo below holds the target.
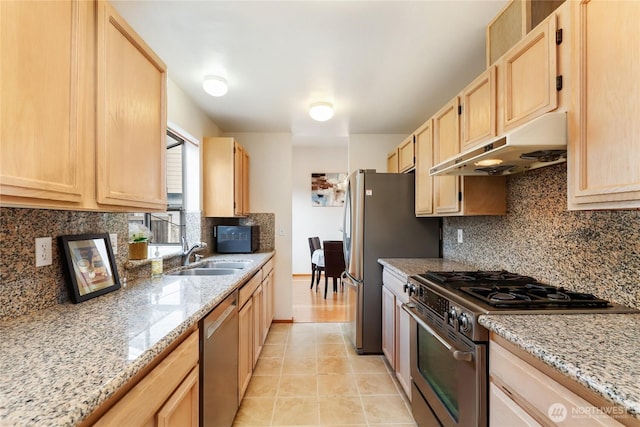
599,351
58,365
406,267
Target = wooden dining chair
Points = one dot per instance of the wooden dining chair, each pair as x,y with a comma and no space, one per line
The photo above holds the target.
314,244
334,264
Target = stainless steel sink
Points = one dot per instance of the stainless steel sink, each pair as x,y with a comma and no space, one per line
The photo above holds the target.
205,272
238,265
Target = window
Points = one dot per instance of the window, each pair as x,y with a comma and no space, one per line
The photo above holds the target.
167,227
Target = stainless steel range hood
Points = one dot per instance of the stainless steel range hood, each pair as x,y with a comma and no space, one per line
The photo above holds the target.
541,142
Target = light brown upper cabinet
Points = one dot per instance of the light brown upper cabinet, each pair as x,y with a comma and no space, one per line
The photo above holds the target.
84,134
392,161
406,155
446,144
513,22
131,123
527,77
478,103
44,101
225,178
462,195
604,124
424,160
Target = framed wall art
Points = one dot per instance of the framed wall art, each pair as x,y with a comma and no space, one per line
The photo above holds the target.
89,265
328,189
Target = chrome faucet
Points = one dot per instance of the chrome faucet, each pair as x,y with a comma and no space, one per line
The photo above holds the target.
186,251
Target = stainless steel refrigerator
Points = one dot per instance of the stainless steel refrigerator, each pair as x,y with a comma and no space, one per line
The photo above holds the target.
379,222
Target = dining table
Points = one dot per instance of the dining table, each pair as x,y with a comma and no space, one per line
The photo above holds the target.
317,257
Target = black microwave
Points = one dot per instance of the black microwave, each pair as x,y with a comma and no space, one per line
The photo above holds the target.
236,239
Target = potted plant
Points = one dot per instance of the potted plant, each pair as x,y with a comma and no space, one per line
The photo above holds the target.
139,237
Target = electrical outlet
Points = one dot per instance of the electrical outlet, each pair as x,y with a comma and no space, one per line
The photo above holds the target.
114,242
459,235
43,251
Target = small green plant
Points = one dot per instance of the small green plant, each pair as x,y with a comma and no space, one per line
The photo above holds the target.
139,233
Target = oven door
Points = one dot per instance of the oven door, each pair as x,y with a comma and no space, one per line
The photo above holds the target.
449,374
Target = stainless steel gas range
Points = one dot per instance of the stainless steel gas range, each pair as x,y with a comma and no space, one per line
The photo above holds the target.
449,355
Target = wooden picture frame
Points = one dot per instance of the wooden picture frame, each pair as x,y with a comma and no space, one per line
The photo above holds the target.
90,266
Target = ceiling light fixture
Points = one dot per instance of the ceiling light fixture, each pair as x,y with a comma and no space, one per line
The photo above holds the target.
215,86
321,111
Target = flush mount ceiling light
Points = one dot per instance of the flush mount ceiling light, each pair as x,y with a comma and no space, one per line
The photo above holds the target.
321,111
215,86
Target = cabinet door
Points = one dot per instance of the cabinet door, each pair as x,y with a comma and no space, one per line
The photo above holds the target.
238,159
388,325
424,161
267,304
604,141
403,350
392,161
503,411
257,298
181,410
245,347
245,183
528,75
131,117
446,144
406,155
43,105
479,110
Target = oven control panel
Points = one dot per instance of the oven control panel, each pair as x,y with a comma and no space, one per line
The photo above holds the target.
455,316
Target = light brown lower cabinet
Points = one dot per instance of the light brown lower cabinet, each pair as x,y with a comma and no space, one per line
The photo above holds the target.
255,317
245,347
395,329
167,396
528,395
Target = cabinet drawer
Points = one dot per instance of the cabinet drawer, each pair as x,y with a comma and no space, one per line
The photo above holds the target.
147,397
267,268
395,284
539,394
249,288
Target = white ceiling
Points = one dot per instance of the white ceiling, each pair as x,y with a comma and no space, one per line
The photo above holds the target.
386,66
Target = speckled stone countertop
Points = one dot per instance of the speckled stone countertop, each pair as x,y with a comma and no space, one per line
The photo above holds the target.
59,365
600,351
405,267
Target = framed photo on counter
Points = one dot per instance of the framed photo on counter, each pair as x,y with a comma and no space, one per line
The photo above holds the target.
90,266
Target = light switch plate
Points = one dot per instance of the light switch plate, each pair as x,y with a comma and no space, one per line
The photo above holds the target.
459,235
114,242
43,251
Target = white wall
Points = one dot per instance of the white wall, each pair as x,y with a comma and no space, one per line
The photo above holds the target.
370,151
189,121
270,183
309,221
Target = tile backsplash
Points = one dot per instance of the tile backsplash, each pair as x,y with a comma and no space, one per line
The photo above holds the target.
586,251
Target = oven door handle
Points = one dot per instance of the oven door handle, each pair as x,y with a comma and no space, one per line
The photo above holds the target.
465,356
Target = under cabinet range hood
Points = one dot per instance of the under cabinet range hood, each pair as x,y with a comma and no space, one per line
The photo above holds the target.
541,142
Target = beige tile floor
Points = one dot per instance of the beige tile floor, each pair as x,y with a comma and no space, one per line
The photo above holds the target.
309,375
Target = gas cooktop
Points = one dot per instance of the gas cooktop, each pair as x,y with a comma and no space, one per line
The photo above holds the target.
502,290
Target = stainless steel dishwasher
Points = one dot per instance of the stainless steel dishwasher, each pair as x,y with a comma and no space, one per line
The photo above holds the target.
219,364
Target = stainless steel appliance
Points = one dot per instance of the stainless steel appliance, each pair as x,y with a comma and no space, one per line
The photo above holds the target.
219,364
541,142
379,222
449,358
